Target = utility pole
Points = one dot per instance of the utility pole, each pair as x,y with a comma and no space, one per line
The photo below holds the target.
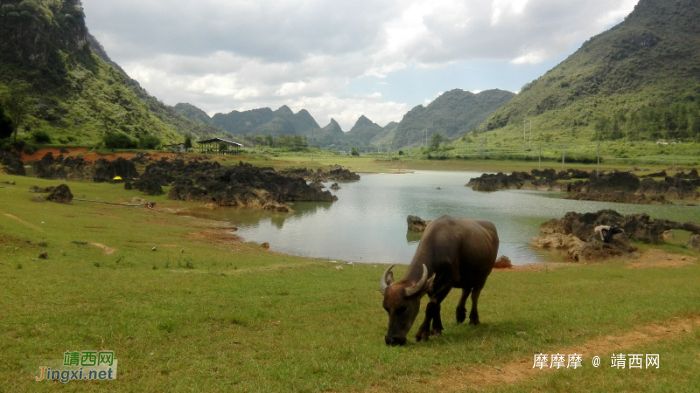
530,144
539,164
563,156
597,169
674,153
524,128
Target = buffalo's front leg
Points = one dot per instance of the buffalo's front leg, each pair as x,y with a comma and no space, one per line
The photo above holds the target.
432,313
437,323
431,310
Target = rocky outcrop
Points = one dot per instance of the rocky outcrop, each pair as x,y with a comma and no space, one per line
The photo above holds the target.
417,224
622,187
626,187
693,242
560,235
575,233
60,194
556,241
62,168
104,170
239,185
332,173
13,164
503,262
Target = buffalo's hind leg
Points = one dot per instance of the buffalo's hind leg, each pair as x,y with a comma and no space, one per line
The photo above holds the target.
474,314
461,309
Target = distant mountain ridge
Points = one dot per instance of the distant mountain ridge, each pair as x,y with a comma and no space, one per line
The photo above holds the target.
283,121
453,114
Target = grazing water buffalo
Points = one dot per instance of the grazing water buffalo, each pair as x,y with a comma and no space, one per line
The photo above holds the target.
453,253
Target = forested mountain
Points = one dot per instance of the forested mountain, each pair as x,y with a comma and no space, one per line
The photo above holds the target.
453,114
639,80
78,94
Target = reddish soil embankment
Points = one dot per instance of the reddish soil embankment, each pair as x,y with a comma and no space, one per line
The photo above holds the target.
92,156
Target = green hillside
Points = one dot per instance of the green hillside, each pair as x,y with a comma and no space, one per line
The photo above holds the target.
76,96
452,114
638,81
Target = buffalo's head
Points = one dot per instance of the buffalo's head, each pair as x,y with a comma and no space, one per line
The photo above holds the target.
402,302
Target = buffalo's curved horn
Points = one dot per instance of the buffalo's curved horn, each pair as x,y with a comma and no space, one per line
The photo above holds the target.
387,279
419,285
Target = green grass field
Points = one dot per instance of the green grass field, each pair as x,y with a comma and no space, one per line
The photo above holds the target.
206,313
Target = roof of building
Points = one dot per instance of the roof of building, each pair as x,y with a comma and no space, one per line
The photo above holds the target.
221,140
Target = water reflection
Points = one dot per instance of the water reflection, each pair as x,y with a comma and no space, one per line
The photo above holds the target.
368,222
413,236
254,218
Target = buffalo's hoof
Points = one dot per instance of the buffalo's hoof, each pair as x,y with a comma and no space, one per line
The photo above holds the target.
394,341
474,321
422,336
461,315
436,332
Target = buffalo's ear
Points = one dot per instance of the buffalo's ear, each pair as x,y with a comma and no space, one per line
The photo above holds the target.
387,279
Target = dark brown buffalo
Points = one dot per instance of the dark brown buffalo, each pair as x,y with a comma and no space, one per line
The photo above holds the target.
453,253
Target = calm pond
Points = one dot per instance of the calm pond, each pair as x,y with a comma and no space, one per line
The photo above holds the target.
368,221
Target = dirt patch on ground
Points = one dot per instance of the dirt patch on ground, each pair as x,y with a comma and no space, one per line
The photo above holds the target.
22,221
92,156
219,236
482,377
653,257
522,370
535,267
37,155
108,250
658,258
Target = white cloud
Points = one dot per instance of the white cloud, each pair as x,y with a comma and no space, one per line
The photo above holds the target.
243,54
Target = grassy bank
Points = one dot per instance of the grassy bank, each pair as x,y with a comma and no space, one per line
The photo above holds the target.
205,312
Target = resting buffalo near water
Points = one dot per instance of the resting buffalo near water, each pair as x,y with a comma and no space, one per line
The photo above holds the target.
453,253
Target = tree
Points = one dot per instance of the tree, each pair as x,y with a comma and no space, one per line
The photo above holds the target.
17,104
188,142
259,140
436,140
149,142
354,151
5,125
119,140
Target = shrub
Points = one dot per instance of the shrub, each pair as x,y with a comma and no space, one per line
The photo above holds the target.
119,140
41,136
149,142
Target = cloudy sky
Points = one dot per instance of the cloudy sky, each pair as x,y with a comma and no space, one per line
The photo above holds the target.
336,58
